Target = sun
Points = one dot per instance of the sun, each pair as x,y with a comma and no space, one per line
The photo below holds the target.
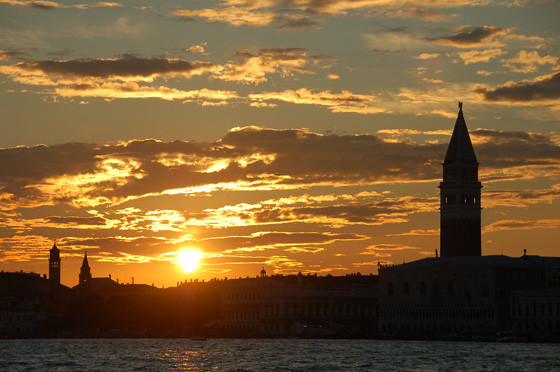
188,259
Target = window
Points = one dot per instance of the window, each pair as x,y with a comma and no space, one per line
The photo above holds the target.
406,288
423,288
450,288
390,289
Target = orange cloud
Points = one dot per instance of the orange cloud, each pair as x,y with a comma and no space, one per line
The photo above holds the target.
337,102
526,62
293,14
134,90
253,158
476,56
521,225
255,66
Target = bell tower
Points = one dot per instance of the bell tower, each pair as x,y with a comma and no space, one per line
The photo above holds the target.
54,264
460,209
85,273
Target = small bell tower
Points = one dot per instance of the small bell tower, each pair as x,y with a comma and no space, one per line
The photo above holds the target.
85,272
54,264
460,209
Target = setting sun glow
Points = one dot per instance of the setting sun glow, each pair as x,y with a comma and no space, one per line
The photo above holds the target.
188,259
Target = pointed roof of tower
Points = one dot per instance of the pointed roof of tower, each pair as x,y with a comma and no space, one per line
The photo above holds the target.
85,262
54,248
460,147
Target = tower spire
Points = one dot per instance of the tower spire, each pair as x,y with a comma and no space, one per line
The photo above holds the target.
85,273
460,147
460,209
54,264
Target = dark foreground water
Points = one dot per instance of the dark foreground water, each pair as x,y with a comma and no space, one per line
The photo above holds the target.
273,355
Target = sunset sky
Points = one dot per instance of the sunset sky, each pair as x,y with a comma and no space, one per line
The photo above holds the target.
294,135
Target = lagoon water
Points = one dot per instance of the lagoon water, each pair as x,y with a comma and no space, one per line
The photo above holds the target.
273,355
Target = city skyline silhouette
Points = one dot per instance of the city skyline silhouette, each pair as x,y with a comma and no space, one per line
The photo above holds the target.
269,134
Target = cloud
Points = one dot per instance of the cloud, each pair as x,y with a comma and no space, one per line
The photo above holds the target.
330,210
49,5
121,28
482,36
254,66
526,62
374,249
337,102
421,13
125,68
231,15
12,54
417,232
133,90
45,5
542,90
293,14
272,240
427,56
393,41
476,56
120,77
520,198
199,49
505,225
253,158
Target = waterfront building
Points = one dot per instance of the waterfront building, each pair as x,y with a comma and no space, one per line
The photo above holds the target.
22,303
440,296
300,306
463,292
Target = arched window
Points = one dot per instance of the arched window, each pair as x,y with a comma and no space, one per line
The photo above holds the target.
423,288
406,288
390,289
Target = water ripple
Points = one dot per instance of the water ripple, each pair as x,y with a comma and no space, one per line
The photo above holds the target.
273,355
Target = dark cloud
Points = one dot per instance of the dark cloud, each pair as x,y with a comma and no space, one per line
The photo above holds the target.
322,210
124,67
471,37
50,5
61,53
538,90
73,220
296,24
421,13
250,158
12,54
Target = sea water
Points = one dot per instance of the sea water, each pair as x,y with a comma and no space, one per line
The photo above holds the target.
273,355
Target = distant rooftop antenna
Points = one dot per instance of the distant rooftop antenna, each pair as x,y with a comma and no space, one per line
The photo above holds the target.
436,248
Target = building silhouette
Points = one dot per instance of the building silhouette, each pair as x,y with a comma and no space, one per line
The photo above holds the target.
54,265
85,272
463,294
460,196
